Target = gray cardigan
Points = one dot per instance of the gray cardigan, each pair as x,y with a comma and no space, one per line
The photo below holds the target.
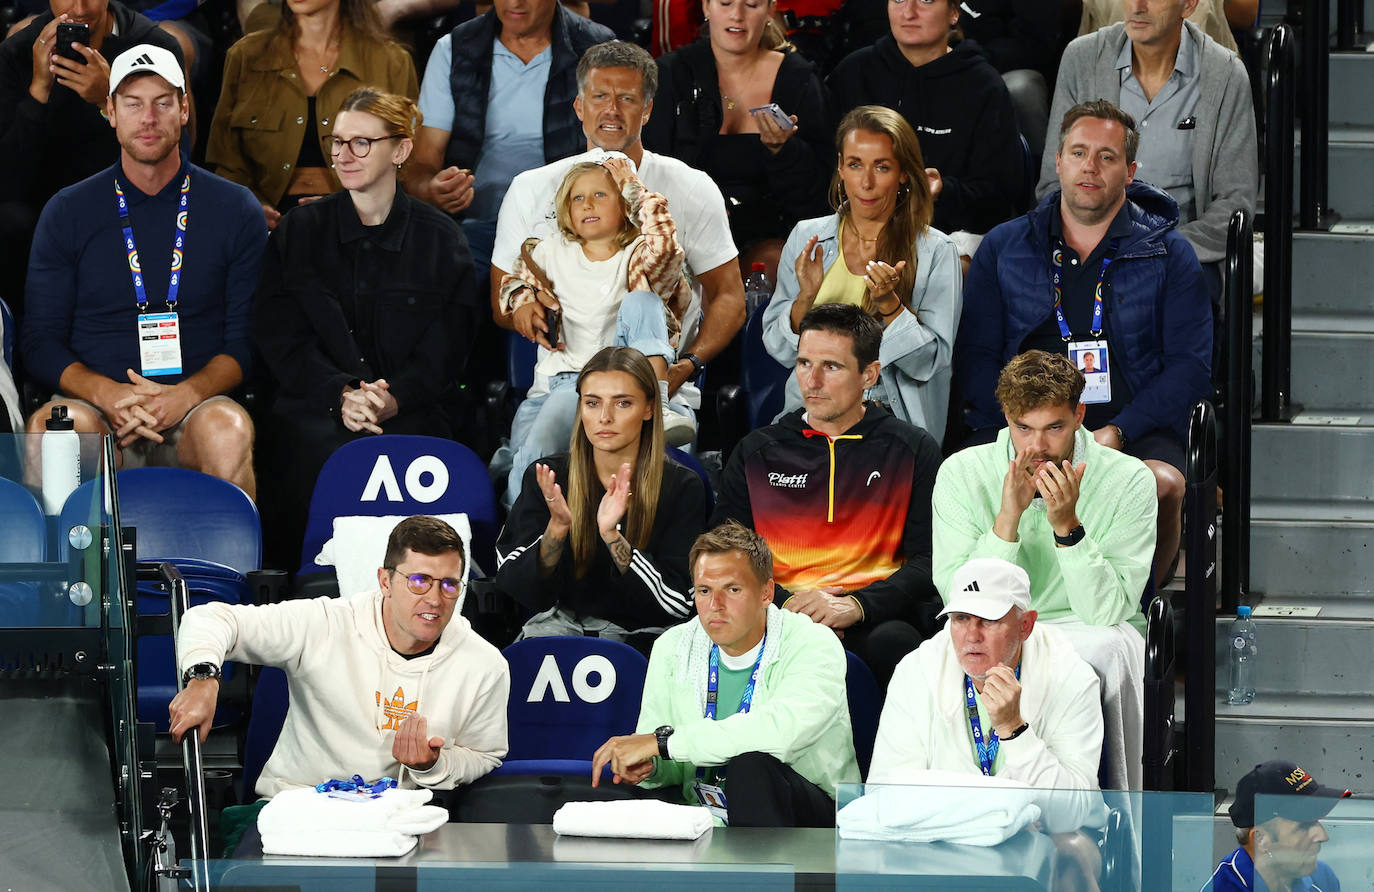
918,345
1225,160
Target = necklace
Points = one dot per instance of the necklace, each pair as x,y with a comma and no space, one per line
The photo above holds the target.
729,103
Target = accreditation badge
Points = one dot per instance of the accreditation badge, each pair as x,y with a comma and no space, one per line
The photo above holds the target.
1091,359
713,798
159,344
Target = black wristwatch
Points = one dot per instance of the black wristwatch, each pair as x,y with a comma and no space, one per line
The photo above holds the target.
200,672
663,732
1073,538
697,365
1025,726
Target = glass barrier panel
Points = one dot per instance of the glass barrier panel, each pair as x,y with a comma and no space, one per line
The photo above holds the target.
1002,836
1314,842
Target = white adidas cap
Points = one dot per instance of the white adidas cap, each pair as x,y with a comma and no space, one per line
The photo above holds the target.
988,588
146,57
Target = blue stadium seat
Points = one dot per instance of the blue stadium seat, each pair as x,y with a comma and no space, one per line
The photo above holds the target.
865,708
270,703
24,540
763,377
395,474
208,528
690,462
567,697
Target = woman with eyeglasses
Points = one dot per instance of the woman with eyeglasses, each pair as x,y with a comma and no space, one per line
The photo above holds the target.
282,90
597,541
366,307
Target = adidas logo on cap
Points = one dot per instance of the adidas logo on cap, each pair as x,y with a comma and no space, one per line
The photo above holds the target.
972,587
144,59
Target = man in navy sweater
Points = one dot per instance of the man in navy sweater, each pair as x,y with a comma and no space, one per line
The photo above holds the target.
147,349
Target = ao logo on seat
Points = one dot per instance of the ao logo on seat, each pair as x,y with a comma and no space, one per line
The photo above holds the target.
382,480
549,680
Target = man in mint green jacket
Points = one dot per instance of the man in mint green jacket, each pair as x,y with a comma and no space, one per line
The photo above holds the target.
1077,516
744,705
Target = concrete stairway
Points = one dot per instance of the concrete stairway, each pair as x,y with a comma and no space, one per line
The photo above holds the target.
1312,537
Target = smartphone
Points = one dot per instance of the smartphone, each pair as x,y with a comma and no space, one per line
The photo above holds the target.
69,33
554,320
777,114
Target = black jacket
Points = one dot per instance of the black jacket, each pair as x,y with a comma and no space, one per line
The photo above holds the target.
406,288
655,591
65,140
962,114
470,81
686,120
853,512
1015,33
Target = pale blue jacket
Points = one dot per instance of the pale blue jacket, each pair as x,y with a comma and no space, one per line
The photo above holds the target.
918,347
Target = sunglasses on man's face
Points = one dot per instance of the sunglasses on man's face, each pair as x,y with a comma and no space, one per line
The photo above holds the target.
421,583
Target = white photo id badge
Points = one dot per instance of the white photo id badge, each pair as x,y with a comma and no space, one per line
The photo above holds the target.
714,799
1091,359
159,344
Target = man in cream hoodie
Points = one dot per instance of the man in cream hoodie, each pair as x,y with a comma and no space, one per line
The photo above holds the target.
387,684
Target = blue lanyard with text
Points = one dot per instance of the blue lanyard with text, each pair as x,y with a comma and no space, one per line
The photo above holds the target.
713,681
1057,278
987,752
178,246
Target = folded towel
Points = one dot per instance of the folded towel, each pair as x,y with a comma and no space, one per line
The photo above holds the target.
945,810
399,811
632,819
338,843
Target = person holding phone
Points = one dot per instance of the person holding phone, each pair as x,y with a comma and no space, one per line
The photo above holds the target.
713,112
367,307
282,91
52,99
614,274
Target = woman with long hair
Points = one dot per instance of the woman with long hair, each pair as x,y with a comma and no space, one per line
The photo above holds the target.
598,539
877,251
366,306
771,173
949,92
282,90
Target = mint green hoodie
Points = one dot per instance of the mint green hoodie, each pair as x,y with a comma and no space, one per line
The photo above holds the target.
1100,580
799,714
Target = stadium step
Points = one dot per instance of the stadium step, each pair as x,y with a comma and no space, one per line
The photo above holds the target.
1329,275
1351,100
1315,463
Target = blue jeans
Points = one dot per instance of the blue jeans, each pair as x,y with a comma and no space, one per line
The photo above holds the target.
543,425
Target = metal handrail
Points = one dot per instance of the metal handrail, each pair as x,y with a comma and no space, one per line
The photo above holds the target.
191,755
1200,588
1315,58
1278,225
1235,465
1349,24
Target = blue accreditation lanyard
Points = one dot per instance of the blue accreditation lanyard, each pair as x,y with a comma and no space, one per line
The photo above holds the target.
713,681
178,246
1057,278
987,752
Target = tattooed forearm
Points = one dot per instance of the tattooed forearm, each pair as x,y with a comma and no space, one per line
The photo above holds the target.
620,552
550,552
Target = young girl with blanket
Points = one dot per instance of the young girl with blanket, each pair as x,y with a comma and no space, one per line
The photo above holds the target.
614,276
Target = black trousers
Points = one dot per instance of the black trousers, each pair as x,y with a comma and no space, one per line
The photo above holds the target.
763,792
882,646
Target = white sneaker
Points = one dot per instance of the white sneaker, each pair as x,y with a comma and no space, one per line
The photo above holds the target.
678,429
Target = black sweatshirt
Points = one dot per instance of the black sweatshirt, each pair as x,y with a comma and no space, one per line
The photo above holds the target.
962,115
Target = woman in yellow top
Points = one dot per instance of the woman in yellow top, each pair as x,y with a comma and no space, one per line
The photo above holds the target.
891,262
283,87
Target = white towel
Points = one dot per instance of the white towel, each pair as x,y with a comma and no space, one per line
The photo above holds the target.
338,843
944,811
395,810
632,819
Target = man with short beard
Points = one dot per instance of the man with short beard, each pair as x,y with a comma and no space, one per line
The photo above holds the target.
146,345
1077,515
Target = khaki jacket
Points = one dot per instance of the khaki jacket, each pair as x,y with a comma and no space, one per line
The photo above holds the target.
259,123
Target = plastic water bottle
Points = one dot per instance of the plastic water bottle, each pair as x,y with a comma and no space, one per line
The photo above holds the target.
61,460
1243,654
758,288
